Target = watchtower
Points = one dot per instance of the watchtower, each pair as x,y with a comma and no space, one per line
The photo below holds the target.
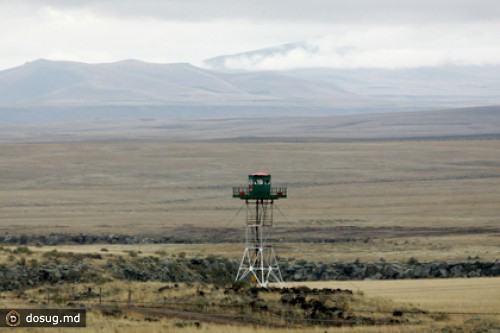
259,258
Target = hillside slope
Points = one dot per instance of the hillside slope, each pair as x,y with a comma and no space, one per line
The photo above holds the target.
125,83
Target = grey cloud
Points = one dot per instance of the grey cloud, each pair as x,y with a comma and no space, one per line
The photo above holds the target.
354,33
324,11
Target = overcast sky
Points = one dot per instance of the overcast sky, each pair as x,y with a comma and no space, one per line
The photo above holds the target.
342,34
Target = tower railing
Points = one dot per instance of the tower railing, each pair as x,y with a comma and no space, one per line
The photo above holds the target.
244,192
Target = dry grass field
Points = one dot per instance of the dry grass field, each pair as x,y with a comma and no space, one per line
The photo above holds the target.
476,295
455,305
464,302
425,199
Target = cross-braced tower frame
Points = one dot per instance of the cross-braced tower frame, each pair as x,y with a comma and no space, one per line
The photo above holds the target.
259,260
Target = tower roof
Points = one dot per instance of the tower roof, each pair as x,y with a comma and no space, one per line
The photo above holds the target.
260,174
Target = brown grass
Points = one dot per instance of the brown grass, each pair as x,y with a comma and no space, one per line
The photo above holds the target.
152,188
149,187
158,188
447,295
467,303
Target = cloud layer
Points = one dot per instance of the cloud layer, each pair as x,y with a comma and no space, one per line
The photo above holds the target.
382,47
327,11
356,33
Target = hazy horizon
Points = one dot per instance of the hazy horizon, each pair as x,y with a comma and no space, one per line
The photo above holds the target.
332,34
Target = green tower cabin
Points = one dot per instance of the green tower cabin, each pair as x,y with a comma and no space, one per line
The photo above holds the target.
259,262
259,187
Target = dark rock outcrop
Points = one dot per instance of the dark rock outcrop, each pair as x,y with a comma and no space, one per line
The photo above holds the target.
387,270
221,271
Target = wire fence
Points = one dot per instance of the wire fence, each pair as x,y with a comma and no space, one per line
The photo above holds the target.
204,305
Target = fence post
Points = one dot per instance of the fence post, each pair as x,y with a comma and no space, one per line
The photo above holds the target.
48,296
100,295
129,300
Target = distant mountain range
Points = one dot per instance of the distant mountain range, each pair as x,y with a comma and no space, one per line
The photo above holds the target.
46,91
131,82
425,85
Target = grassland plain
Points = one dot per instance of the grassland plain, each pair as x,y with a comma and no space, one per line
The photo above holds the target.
424,198
428,199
